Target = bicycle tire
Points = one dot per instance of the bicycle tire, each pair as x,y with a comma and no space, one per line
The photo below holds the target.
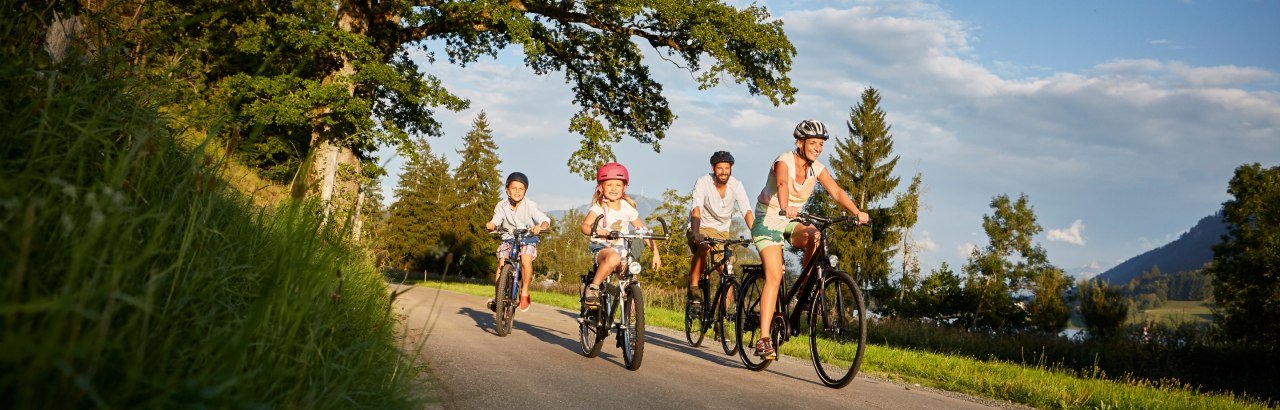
726,316
590,324
633,336
695,328
502,303
748,321
837,330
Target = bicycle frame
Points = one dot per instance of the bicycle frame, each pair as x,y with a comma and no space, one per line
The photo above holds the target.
811,278
725,267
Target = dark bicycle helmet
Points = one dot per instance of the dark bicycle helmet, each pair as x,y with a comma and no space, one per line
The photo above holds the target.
518,176
810,129
721,156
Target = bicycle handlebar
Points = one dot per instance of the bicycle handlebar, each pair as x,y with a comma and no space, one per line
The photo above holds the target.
823,222
744,242
619,235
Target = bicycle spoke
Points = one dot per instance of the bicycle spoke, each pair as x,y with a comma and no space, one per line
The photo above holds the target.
837,331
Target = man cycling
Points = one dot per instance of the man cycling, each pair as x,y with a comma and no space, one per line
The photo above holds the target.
715,196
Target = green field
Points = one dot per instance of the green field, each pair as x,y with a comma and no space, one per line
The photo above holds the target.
1176,311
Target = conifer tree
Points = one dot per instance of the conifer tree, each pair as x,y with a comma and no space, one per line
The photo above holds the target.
478,179
412,235
863,165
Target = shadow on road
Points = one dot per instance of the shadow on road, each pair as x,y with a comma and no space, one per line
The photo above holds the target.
548,336
680,345
484,320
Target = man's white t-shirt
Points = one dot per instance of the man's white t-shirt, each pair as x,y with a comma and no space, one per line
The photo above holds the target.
717,211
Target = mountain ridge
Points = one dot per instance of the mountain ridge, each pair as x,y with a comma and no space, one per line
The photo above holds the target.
1191,251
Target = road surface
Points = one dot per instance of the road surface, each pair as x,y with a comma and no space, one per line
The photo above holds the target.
539,366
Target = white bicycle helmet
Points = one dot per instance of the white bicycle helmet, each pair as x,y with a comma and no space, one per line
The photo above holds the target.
810,129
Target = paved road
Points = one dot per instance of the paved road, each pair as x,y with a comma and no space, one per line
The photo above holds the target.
539,366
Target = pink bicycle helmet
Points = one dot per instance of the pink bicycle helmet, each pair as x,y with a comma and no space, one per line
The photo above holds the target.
612,170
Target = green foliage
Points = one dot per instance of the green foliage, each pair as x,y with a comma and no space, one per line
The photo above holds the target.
420,224
1010,266
1246,270
292,75
1103,307
1047,311
863,165
675,250
562,253
135,279
478,180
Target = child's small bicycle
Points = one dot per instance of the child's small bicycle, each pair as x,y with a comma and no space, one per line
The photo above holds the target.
620,290
507,292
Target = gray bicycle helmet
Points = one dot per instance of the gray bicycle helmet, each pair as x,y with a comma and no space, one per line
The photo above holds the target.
810,129
721,156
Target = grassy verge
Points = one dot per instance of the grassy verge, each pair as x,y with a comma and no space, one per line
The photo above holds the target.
136,279
1034,386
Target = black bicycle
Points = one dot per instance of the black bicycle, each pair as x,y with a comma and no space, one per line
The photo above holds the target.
716,314
620,294
836,322
507,292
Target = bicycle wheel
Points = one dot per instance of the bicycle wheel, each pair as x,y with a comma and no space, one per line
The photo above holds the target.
747,322
694,327
503,308
590,322
726,316
837,331
633,335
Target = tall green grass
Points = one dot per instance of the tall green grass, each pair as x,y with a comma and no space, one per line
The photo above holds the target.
135,279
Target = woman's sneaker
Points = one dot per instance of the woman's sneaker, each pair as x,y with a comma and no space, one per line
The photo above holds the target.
764,349
593,296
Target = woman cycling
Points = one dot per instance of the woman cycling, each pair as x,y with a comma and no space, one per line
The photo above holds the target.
791,176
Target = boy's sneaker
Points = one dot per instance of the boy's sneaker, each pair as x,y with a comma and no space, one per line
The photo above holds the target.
593,296
764,349
524,303
491,305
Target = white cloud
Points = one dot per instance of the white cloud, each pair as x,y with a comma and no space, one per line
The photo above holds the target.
925,242
965,249
1072,234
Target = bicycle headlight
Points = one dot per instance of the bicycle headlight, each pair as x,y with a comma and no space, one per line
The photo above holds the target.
634,268
835,262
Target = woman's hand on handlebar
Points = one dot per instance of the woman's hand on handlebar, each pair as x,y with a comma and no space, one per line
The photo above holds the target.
863,218
792,212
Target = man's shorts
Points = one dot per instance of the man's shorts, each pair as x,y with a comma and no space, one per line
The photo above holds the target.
712,233
504,249
707,232
771,230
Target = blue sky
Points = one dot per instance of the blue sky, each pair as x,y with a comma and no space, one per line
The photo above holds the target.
1121,121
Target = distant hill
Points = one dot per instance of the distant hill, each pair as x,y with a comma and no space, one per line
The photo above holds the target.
1189,252
644,204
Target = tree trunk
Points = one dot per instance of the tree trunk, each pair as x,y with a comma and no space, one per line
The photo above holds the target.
358,223
330,172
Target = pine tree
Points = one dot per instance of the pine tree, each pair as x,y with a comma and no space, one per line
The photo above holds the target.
412,233
478,177
863,165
